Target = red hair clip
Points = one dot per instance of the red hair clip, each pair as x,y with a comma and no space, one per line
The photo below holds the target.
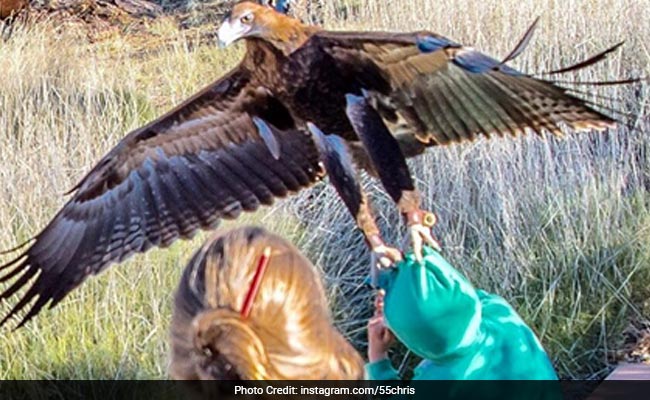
255,284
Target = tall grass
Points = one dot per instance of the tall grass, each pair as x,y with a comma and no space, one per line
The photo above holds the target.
557,227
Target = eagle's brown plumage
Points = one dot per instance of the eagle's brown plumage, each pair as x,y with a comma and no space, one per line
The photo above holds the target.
242,142
12,7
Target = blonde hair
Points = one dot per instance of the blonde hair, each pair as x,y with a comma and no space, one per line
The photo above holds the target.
289,332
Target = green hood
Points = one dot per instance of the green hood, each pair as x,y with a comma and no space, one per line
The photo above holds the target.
431,307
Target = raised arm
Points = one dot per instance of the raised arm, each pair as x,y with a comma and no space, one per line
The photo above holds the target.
380,339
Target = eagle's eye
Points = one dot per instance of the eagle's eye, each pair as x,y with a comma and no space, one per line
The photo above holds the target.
246,19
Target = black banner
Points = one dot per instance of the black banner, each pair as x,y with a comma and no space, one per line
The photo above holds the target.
243,390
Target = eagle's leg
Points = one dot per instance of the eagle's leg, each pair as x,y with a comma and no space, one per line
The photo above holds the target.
419,222
390,164
343,175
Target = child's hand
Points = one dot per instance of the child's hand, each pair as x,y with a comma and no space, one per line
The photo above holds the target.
380,338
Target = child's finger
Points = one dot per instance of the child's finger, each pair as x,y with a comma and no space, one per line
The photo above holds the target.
379,298
379,303
375,321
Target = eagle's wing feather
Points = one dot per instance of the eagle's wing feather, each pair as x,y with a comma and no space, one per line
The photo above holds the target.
203,161
440,92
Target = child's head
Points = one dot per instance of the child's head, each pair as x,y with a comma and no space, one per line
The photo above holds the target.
431,308
288,333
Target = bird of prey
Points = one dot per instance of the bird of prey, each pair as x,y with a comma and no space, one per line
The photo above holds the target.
244,140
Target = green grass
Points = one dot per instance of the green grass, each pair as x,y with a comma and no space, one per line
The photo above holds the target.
559,227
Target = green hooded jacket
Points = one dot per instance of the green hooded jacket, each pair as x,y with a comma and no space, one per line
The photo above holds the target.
460,332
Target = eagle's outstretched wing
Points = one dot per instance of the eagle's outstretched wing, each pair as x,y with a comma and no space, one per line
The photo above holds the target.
230,148
433,91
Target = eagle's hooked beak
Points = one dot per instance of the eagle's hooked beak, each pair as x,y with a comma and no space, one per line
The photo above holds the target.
231,31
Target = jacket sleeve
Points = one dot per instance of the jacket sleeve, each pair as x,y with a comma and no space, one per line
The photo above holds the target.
381,370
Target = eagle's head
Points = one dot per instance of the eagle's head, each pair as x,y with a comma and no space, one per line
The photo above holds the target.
249,19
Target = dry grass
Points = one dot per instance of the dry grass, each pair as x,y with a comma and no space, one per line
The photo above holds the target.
560,228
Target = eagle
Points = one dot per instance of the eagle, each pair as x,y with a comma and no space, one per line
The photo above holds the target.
301,98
